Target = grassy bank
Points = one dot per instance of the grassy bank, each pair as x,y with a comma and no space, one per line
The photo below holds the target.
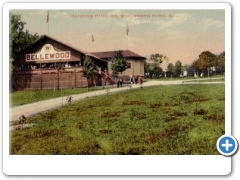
207,80
180,119
29,96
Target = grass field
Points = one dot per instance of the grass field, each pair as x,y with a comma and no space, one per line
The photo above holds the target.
29,96
163,120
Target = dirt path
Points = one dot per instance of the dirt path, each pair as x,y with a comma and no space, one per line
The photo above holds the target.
37,107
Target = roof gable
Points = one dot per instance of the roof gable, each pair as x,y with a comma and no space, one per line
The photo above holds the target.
44,37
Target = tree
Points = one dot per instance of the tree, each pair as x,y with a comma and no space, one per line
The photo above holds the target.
152,67
199,66
88,69
170,68
120,63
185,67
158,58
178,68
19,39
221,61
146,68
10,69
154,70
191,70
207,60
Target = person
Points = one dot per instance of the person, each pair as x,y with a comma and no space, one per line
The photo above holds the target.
121,82
69,99
131,80
140,81
118,82
21,119
136,79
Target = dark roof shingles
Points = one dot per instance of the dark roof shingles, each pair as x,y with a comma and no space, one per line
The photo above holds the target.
111,54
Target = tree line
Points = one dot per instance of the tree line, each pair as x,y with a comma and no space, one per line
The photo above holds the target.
206,64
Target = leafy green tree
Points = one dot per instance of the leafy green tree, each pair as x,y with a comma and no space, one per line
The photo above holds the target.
146,66
207,60
170,68
154,69
191,70
158,58
221,61
10,69
178,68
120,63
19,39
88,69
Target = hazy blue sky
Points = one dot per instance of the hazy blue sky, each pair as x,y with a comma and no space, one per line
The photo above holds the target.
179,34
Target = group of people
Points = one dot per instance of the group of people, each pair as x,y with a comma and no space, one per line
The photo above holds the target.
119,82
133,79
136,79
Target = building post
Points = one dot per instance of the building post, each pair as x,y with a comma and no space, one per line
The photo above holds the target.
75,80
58,79
41,78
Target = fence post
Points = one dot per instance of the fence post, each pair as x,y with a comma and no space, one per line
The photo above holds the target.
41,78
75,80
58,79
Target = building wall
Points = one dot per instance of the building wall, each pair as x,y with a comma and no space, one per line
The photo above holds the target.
137,68
75,55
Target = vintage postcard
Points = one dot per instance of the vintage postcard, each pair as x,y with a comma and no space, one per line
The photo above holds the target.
147,83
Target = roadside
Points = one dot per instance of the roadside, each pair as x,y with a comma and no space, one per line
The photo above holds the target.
37,107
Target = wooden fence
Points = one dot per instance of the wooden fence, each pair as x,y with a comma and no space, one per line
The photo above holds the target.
51,79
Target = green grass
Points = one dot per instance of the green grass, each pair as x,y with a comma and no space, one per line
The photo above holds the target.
163,120
187,78
29,96
207,80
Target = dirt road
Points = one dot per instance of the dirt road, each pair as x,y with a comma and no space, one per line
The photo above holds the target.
37,107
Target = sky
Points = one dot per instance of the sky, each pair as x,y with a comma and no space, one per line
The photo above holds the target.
178,34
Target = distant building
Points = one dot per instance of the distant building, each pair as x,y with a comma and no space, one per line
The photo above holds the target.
185,73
